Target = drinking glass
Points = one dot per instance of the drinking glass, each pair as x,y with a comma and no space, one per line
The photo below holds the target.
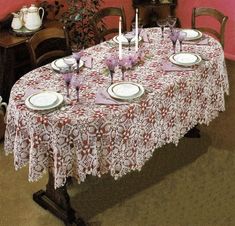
77,56
67,75
70,61
162,23
171,21
181,38
129,36
174,37
76,83
140,28
123,67
111,62
126,63
111,73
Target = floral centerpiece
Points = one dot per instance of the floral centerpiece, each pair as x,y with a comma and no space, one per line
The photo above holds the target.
127,62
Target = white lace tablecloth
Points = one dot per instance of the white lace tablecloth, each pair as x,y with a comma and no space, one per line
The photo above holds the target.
86,138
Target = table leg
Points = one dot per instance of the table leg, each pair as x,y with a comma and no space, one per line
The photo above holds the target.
57,202
193,133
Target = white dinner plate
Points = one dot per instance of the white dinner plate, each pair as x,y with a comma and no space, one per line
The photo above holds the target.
125,90
59,63
124,40
192,34
185,59
44,100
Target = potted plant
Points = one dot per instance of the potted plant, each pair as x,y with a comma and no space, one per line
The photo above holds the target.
77,21
76,16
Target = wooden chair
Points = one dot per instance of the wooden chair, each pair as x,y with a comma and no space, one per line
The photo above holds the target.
100,30
220,17
47,45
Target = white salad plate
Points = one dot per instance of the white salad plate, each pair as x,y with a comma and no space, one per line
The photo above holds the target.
59,63
192,34
44,100
185,59
124,40
125,90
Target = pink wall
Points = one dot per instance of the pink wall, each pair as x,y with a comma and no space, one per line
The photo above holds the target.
127,4
8,6
225,6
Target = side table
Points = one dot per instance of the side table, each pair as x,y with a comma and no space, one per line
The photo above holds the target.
10,46
14,58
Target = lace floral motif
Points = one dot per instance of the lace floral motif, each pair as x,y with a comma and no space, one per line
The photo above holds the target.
84,138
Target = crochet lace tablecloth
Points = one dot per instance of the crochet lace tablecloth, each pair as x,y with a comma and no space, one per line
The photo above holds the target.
85,138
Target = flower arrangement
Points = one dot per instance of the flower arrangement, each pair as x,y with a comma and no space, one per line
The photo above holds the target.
126,63
111,62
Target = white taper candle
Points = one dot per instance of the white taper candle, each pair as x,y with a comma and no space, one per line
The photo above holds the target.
136,30
119,38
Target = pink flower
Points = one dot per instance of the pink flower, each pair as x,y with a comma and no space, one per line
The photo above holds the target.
111,62
134,59
126,62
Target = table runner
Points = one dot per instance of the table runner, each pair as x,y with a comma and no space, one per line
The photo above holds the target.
84,138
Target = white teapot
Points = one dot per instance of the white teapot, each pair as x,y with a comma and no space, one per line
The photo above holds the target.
23,13
33,21
16,22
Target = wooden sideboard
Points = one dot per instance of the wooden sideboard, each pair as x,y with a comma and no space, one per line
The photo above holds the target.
14,56
152,10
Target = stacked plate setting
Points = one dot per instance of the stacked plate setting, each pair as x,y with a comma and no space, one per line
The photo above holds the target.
44,100
125,91
192,34
185,59
58,64
124,41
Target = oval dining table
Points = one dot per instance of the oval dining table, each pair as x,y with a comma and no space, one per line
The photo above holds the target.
89,137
